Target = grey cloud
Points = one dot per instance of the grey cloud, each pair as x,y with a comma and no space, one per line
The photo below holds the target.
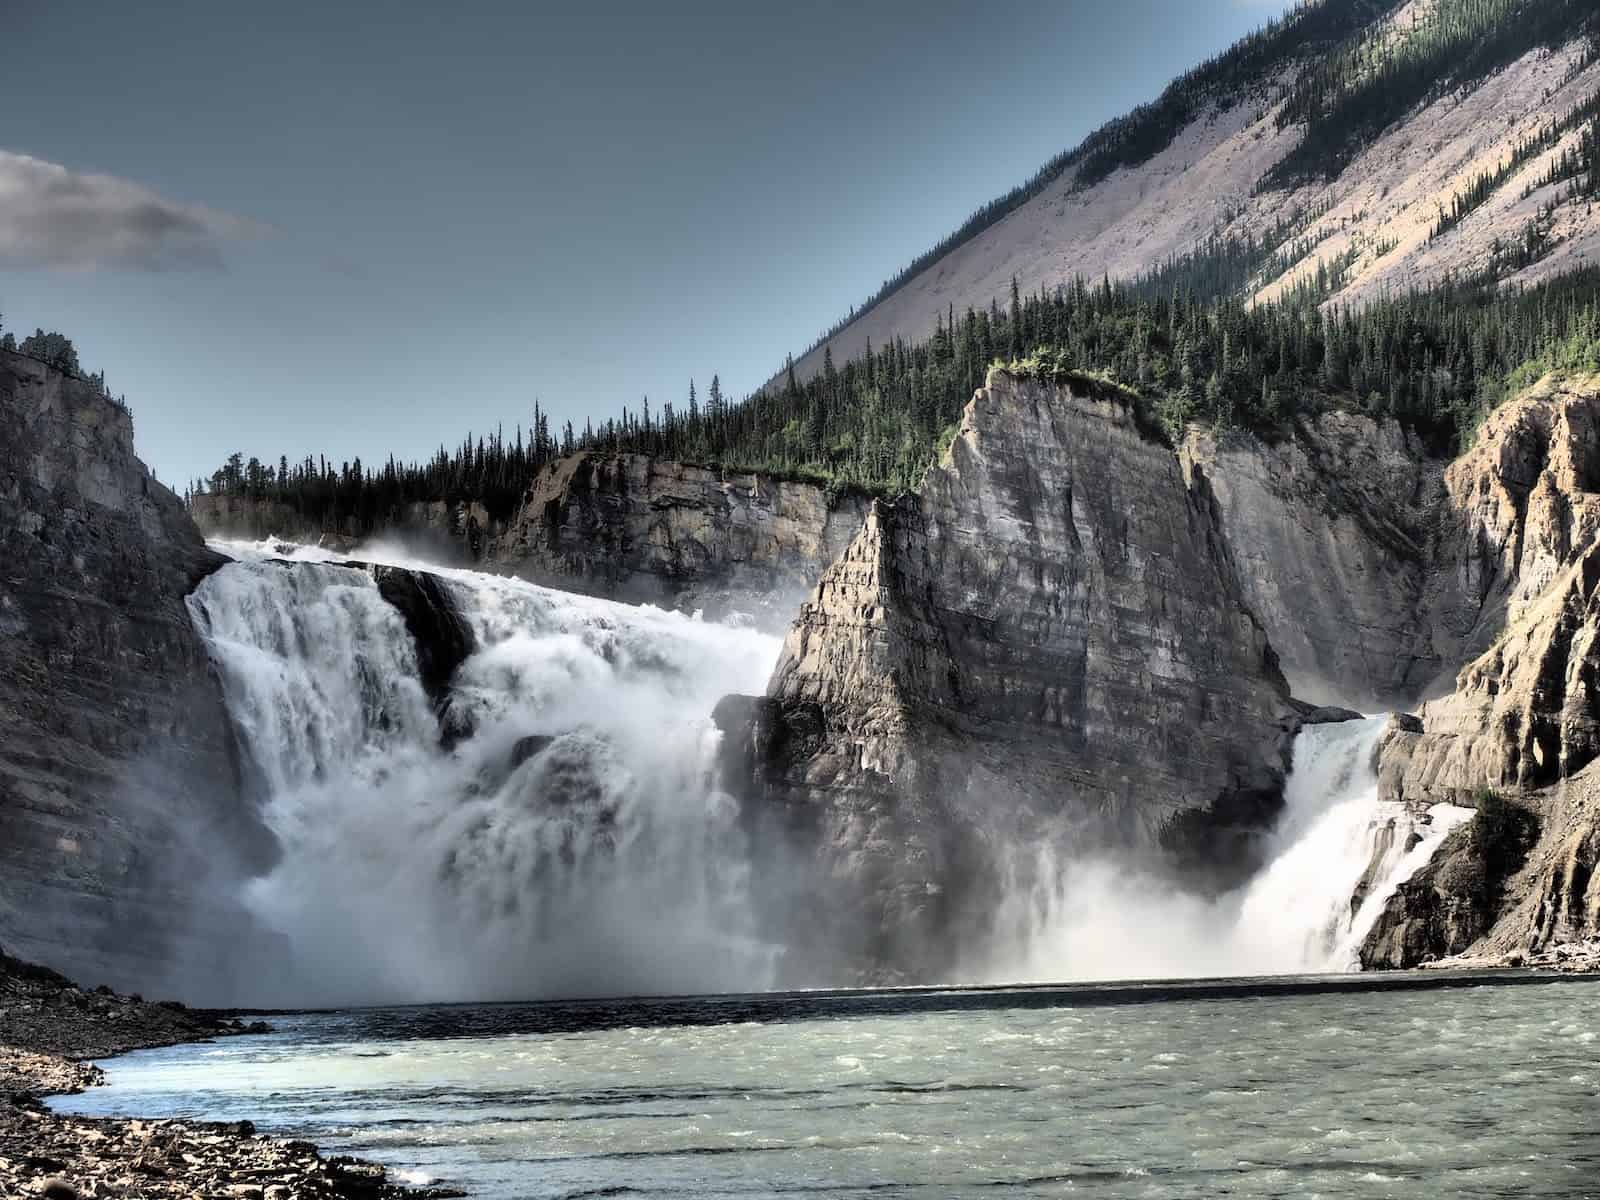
51,216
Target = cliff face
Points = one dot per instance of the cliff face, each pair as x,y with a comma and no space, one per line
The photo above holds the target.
1333,530
1522,543
647,530
1521,731
118,791
626,526
1046,649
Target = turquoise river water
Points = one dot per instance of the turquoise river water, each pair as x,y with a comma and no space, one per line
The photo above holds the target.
1330,1088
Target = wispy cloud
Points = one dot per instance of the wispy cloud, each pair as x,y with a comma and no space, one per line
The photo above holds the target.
51,216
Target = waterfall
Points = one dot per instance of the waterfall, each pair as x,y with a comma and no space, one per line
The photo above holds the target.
1337,856
572,838
574,843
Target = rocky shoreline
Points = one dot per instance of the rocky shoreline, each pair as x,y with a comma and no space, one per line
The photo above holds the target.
49,1026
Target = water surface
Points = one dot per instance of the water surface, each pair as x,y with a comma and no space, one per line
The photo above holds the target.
1148,1091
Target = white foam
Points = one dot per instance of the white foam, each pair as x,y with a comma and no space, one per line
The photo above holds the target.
607,861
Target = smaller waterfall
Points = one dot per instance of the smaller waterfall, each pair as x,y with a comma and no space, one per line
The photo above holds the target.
1337,857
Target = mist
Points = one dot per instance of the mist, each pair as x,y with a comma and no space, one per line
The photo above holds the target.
1124,918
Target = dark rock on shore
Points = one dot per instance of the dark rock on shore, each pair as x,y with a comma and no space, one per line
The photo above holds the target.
1454,900
48,1025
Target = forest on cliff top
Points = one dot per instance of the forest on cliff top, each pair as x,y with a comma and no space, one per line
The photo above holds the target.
1437,361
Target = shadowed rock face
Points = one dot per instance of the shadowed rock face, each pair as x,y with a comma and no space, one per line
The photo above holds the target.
1333,530
442,636
648,530
118,787
1046,647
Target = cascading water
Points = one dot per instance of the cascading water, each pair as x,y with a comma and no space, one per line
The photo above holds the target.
1337,857
1308,910
575,843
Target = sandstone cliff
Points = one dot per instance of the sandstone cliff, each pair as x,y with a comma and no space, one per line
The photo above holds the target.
118,790
1047,649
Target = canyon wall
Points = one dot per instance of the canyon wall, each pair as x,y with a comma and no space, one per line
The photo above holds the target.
1046,650
627,527
457,534
1519,735
119,795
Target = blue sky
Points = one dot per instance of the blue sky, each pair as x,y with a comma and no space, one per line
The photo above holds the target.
363,228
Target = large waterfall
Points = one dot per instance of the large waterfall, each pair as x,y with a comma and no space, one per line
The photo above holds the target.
1337,856
575,843
571,838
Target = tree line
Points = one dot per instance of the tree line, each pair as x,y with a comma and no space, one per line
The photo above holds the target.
1435,360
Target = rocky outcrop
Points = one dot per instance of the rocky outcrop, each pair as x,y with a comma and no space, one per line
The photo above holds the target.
1522,726
1454,900
442,635
1046,649
118,790
648,530
1522,546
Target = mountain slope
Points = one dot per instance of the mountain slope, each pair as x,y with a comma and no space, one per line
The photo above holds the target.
1236,158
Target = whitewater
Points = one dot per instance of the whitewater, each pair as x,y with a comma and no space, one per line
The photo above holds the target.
556,826
575,844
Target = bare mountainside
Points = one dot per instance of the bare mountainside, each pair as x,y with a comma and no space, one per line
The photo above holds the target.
1469,179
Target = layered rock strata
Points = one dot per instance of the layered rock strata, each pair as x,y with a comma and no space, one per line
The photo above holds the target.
640,529
462,533
119,796
1045,651
1333,529
1519,735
